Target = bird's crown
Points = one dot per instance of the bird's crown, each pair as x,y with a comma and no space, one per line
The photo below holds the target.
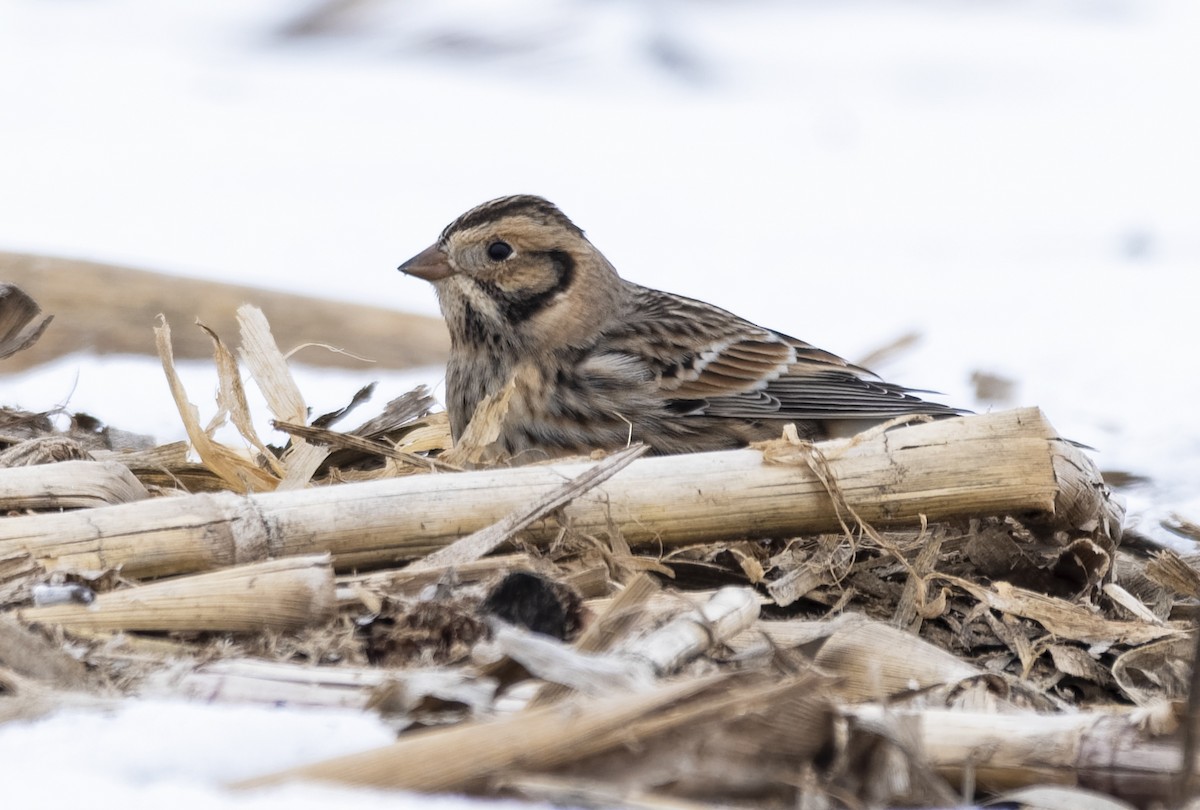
528,206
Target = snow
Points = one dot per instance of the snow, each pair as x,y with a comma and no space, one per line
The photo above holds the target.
1016,181
147,754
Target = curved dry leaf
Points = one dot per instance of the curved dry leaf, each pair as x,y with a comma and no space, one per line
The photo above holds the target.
1174,573
1062,618
237,472
231,400
1076,662
270,371
432,434
933,608
877,660
268,367
1156,672
17,312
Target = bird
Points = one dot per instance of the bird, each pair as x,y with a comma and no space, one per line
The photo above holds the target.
586,360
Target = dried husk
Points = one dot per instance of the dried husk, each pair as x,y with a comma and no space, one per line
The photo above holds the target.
462,757
68,485
1062,618
18,311
235,470
641,660
1109,752
244,680
1157,671
1035,602
875,661
283,594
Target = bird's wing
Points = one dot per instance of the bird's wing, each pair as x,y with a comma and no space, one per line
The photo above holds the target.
711,362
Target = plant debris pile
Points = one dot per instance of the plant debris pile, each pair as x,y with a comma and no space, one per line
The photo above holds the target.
553,655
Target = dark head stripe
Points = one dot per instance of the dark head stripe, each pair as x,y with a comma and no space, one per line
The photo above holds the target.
526,205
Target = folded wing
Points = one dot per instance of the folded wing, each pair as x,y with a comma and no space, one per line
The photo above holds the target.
711,362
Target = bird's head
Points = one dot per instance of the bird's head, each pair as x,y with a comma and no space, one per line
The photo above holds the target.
517,268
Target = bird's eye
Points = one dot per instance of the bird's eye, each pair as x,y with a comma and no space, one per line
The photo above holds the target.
499,251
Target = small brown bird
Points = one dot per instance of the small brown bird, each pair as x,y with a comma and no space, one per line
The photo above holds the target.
589,360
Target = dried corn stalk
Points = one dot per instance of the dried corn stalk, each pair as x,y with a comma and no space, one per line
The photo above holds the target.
68,485
987,464
281,594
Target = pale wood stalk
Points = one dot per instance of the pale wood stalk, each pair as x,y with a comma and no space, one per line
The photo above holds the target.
284,594
477,544
1111,753
1001,463
458,758
244,680
612,623
449,759
410,580
68,485
730,611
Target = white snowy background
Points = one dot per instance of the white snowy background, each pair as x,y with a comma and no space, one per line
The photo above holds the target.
1017,181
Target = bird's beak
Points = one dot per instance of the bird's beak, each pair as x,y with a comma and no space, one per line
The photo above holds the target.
430,264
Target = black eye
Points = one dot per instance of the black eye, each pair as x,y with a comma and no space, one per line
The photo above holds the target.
499,251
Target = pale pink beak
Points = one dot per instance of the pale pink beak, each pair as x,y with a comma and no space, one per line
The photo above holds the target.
430,264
